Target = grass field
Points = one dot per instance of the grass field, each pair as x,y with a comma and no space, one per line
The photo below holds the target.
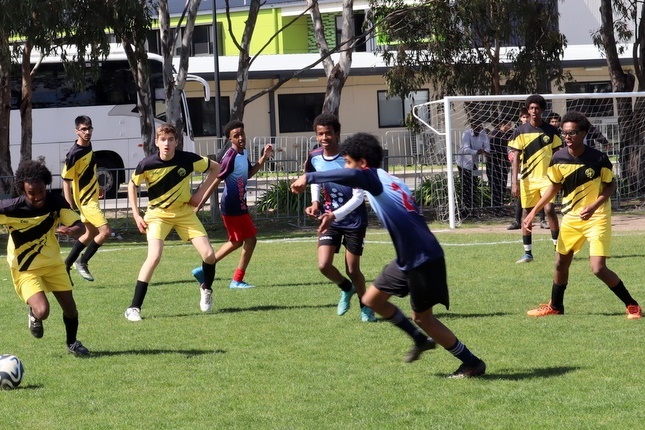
277,356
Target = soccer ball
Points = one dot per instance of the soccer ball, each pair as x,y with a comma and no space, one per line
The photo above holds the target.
11,371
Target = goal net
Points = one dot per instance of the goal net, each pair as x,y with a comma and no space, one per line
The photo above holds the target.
618,128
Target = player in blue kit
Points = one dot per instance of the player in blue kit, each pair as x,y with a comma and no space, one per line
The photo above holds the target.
235,172
346,206
419,268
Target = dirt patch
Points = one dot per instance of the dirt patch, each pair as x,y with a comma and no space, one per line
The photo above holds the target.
619,222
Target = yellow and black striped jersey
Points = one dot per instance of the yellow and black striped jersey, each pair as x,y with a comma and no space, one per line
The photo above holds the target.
582,179
169,181
32,240
537,145
80,169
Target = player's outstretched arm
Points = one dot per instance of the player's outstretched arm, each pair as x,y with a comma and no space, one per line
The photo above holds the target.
298,186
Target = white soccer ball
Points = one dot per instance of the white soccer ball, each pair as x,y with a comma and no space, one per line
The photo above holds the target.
11,371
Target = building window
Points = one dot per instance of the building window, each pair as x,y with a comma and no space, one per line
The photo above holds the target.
590,107
297,111
392,111
359,21
202,115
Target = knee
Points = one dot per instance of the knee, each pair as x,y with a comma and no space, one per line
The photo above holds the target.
40,310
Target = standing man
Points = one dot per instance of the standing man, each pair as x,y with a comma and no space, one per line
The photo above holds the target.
496,163
533,145
586,178
236,171
474,142
170,205
33,252
345,206
81,190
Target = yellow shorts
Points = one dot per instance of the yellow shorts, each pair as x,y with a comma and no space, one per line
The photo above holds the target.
46,279
574,232
93,214
184,220
532,190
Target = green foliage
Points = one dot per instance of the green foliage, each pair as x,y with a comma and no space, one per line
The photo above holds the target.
278,357
452,45
280,200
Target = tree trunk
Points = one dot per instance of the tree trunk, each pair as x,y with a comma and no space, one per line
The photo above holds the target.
141,72
244,62
631,158
5,117
25,105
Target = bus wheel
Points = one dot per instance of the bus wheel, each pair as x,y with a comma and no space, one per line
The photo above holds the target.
108,181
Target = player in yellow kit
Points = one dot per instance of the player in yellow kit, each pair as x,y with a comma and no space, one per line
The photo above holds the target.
586,179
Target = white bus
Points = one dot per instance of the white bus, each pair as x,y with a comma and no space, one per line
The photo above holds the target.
109,98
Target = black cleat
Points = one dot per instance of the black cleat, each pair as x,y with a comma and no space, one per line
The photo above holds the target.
416,351
35,326
469,370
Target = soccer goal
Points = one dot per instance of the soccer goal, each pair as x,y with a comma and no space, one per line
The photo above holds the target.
618,121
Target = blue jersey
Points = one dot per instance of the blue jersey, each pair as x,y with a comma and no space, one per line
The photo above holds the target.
336,195
235,173
394,205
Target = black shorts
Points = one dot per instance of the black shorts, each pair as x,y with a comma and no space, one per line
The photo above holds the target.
354,240
426,284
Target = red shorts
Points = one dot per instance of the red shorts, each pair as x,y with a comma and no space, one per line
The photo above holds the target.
239,227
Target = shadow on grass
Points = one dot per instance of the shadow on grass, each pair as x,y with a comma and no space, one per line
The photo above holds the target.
273,308
540,372
188,353
457,315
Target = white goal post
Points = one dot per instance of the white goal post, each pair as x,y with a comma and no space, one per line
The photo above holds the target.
619,117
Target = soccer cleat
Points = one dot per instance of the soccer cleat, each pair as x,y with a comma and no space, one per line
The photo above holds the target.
544,310
544,224
206,300
35,326
198,273
83,271
514,226
415,352
133,314
240,285
526,258
345,301
634,312
367,315
469,370
78,349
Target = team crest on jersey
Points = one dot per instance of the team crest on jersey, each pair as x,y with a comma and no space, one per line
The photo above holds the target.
589,173
546,139
181,172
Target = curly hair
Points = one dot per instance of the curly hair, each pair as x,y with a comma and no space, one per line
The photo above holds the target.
363,145
327,120
537,99
577,118
232,125
33,172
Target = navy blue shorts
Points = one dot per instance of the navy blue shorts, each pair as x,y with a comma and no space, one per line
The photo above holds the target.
353,239
426,284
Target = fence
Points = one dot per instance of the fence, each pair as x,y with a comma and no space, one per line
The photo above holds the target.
416,158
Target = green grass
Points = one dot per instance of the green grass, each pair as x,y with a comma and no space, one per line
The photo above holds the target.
277,356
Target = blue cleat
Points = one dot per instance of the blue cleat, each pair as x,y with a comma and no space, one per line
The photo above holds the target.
345,301
527,258
240,285
367,315
198,273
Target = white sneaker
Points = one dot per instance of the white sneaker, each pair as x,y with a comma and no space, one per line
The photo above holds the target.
206,301
133,314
